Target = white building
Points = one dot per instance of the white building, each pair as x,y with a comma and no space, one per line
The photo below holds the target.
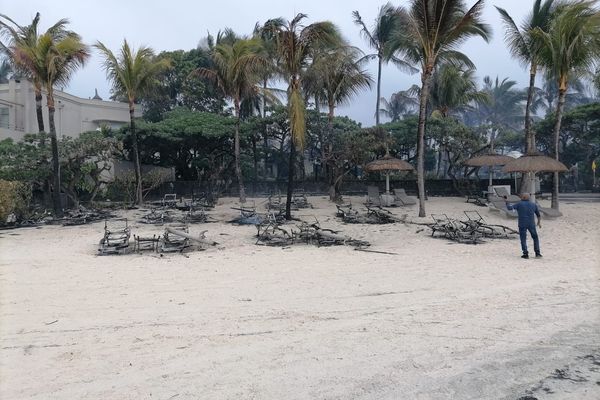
73,115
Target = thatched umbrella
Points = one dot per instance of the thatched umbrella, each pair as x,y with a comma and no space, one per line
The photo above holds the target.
488,160
388,164
532,163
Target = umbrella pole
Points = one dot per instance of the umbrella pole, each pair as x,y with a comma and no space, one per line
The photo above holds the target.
532,186
387,183
490,176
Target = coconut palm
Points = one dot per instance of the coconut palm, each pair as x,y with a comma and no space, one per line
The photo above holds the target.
454,89
503,107
237,72
48,59
22,47
430,31
570,48
335,77
295,45
5,71
525,47
132,74
399,105
379,38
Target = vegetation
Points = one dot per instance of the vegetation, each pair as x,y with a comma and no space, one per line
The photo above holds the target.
132,73
213,113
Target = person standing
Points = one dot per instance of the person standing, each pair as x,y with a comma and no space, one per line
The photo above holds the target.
527,211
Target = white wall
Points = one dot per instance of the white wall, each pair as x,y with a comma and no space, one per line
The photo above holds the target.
73,114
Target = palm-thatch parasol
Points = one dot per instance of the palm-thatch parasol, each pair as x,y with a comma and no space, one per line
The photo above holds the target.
388,164
532,163
488,160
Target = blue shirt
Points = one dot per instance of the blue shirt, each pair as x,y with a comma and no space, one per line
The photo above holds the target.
526,210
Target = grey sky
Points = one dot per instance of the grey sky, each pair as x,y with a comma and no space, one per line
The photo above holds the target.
178,24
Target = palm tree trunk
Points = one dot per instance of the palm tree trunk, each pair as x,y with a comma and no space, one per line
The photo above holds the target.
559,112
56,201
139,197
290,188
529,134
378,91
38,109
333,195
236,149
425,80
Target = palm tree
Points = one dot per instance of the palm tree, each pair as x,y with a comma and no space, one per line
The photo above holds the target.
570,48
379,38
62,58
399,105
337,76
132,74
430,31
24,51
454,89
525,47
5,71
503,107
237,74
295,44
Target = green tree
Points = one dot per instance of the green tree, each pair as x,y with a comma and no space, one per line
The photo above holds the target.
502,111
570,48
525,46
132,73
295,44
430,31
337,76
379,39
400,105
236,73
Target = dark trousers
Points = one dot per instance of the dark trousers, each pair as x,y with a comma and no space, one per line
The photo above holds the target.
523,235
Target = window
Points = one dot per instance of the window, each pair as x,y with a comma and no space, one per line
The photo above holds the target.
4,123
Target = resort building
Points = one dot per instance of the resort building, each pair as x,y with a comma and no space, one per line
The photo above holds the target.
73,114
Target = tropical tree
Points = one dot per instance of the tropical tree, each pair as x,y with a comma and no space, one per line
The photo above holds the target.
454,90
26,52
379,38
502,110
400,104
525,46
132,74
236,73
61,58
5,71
295,43
429,32
570,48
338,76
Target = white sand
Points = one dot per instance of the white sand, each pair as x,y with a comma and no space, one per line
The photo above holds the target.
436,321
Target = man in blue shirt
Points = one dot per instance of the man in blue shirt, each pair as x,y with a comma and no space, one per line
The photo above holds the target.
527,212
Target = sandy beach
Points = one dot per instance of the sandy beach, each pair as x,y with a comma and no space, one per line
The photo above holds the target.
435,320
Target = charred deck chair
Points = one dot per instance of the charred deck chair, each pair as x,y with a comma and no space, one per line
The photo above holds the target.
476,222
373,196
454,230
503,193
145,243
171,242
500,205
299,199
402,198
475,197
169,200
115,240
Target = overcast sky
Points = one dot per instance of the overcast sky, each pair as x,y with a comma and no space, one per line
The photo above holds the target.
179,24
